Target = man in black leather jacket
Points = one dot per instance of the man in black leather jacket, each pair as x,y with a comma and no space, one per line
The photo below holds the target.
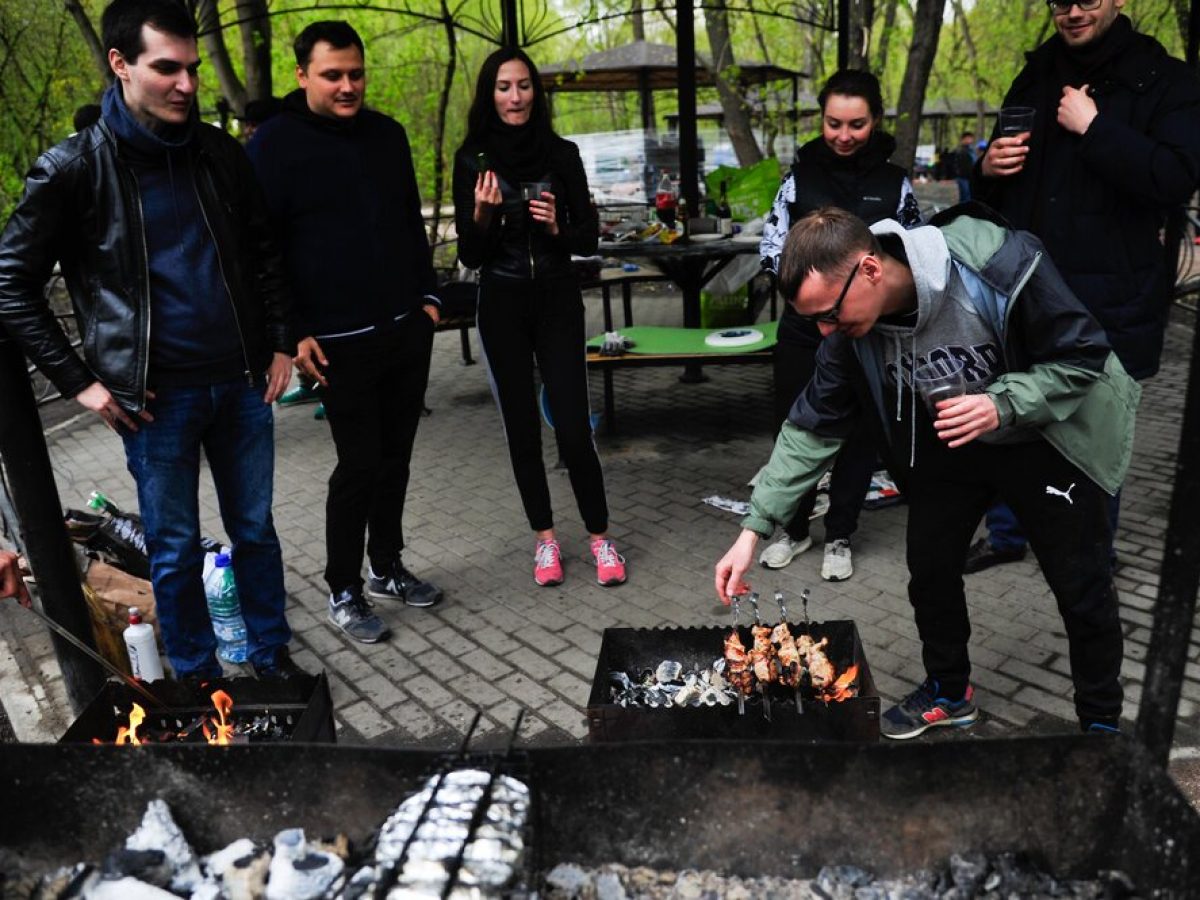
1115,145
155,220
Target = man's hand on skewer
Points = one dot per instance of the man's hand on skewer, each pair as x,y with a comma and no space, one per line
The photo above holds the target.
731,570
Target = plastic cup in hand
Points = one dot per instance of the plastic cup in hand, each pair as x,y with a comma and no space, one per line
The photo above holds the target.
941,380
1015,120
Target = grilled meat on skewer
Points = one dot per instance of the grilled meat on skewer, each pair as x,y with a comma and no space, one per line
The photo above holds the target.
786,654
762,655
737,665
820,669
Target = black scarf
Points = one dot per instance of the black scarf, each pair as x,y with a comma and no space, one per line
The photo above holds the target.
521,151
1076,65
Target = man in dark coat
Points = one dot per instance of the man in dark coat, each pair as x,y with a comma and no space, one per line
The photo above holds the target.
342,193
1114,146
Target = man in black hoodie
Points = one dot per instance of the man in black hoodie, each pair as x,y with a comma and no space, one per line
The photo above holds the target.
342,193
1115,145
164,244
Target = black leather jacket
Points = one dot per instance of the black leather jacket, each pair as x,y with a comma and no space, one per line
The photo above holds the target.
513,246
81,208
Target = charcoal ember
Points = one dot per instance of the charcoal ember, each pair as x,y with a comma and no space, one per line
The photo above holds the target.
968,871
567,880
126,888
839,882
301,872
158,831
150,866
239,869
57,885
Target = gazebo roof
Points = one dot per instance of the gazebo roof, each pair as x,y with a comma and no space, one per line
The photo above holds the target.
620,68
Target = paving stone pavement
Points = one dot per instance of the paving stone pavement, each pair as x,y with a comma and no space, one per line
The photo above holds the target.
499,644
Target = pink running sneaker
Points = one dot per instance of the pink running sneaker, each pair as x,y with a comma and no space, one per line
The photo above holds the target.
547,564
610,565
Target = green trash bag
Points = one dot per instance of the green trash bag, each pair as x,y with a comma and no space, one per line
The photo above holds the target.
725,310
750,191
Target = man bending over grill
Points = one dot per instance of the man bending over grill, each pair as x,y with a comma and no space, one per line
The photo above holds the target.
1046,423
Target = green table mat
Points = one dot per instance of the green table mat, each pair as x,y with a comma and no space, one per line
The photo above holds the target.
655,340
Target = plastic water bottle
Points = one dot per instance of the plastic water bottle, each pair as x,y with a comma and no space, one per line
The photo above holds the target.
225,610
144,660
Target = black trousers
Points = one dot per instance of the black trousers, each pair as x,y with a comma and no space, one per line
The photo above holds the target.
795,362
948,492
523,324
373,404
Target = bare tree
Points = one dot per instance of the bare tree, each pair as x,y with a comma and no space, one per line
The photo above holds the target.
733,105
638,21
254,23
439,137
98,53
209,20
927,22
960,19
885,37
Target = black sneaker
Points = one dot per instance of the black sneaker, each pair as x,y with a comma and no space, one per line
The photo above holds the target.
924,709
283,669
983,555
351,612
397,583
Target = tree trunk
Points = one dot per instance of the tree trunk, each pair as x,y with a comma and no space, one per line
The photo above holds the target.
638,21
885,38
98,52
927,22
960,17
733,105
255,26
439,137
860,20
218,56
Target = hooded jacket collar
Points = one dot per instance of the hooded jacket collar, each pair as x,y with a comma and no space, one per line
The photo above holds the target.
296,104
138,138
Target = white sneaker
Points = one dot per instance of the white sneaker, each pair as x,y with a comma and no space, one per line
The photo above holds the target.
838,565
782,552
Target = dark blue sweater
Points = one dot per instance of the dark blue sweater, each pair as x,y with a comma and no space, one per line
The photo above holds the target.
343,198
193,328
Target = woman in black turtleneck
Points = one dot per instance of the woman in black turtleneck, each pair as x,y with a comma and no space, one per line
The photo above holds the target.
530,307
845,167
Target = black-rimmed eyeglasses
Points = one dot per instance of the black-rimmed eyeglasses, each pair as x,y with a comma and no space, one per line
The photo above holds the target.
1061,8
830,316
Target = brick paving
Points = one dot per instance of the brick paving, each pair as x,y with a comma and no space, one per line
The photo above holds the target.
499,644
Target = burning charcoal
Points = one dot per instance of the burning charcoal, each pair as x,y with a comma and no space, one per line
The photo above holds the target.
297,871
65,882
124,889
668,672
968,872
240,869
150,866
569,880
158,831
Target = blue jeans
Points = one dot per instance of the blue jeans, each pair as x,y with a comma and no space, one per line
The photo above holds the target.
1005,534
234,426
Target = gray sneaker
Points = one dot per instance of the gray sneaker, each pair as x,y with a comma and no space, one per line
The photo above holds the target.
397,583
351,612
782,552
837,565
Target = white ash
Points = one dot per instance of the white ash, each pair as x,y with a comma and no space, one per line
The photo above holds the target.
158,831
239,870
126,888
965,877
299,871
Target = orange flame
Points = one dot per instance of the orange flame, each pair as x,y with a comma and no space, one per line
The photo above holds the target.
843,688
223,731
129,735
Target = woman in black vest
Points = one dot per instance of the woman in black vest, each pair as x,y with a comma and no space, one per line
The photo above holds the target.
846,167
530,308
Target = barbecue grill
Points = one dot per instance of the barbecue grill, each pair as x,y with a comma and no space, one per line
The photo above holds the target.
1076,804
296,709
634,650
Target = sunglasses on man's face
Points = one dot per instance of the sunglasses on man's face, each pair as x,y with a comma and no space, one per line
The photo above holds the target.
830,316
1059,8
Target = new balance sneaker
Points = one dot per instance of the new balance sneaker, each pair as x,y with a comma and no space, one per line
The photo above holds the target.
782,552
838,564
351,612
924,709
397,583
610,565
547,564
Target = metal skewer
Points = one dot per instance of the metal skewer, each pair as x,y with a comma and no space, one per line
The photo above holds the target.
796,686
759,686
735,601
